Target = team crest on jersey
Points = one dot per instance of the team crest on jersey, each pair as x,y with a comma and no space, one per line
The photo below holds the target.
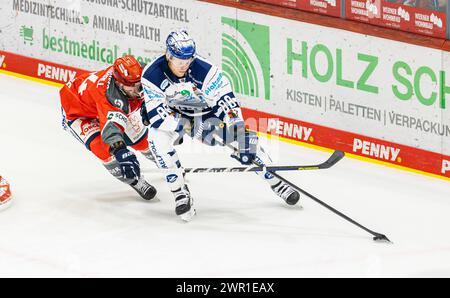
164,84
233,114
118,103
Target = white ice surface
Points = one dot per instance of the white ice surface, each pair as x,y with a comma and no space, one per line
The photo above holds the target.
69,217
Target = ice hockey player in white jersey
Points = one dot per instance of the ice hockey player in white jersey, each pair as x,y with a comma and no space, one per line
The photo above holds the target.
184,92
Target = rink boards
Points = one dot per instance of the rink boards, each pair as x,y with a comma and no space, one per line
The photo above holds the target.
373,98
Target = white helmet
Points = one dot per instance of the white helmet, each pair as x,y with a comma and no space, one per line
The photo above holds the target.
180,45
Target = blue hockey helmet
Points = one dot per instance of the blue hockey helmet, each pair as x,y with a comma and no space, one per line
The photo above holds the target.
180,45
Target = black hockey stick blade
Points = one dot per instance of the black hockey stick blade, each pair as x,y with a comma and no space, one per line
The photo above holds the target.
381,238
333,159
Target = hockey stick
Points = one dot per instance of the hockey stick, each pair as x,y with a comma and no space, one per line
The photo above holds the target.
331,161
377,236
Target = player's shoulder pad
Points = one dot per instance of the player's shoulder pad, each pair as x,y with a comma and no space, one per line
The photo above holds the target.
215,83
153,79
153,71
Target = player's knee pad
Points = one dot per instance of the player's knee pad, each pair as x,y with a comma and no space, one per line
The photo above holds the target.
167,160
161,146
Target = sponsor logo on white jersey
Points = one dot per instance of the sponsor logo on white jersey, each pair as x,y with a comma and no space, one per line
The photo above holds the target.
376,150
289,129
445,166
215,85
55,73
151,94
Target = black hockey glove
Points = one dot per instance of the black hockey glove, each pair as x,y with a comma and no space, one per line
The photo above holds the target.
128,163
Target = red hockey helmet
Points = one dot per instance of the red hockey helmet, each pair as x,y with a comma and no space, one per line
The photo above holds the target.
127,70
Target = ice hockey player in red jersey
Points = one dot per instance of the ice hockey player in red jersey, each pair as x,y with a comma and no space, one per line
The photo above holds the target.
102,110
5,193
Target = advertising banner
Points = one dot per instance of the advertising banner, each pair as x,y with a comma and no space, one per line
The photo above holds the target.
89,33
427,17
328,7
285,3
388,91
381,150
39,69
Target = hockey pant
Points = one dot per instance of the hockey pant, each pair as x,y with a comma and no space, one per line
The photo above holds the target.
87,132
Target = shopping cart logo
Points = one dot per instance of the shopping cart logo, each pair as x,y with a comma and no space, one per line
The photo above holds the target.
246,57
27,34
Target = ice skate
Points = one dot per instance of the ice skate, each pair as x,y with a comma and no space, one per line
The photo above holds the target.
184,204
144,189
286,192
